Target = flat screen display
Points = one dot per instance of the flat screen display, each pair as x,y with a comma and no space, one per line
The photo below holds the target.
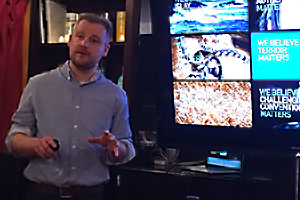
275,55
223,162
277,105
211,57
207,16
275,14
213,103
231,86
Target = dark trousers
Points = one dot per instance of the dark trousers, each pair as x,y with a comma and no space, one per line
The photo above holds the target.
34,195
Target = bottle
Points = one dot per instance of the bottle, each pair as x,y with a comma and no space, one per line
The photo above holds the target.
120,81
107,16
120,26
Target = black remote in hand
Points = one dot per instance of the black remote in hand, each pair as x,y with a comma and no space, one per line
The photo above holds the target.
56,141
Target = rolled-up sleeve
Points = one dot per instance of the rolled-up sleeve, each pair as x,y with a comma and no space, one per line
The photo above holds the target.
23,120
15,129
129,155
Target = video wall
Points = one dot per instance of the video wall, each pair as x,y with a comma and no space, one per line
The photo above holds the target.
236,63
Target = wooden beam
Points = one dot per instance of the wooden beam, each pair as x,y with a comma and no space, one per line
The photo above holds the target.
25,45
131,55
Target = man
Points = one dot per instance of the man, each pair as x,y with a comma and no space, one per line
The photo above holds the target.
84,111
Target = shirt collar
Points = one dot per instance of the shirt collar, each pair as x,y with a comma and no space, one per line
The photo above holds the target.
67,73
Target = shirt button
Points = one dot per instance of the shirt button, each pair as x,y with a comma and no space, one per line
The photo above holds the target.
77,107
73,168
74,147
75,126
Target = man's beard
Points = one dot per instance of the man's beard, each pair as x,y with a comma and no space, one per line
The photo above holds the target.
84,66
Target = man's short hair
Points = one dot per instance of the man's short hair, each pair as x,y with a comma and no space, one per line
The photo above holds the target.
94,18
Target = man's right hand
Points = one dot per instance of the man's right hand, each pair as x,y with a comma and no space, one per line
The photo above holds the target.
27,147
42,148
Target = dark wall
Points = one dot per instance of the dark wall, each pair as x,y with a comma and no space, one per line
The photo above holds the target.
12,182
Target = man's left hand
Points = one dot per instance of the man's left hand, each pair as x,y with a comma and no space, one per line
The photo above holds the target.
107,140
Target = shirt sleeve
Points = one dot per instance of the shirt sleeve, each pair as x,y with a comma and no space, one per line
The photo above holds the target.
130,154
23,120
120,128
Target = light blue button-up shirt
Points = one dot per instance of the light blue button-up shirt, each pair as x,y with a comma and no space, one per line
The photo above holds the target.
56,104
